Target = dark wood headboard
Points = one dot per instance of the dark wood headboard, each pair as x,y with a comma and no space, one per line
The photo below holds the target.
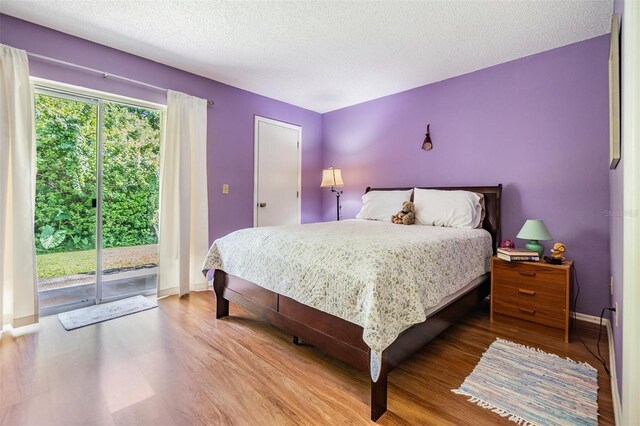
492,206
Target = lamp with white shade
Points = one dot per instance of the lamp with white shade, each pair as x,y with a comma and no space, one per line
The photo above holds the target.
534,230
333,178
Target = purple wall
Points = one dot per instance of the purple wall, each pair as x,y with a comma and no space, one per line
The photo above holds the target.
230,121
538,125
616,195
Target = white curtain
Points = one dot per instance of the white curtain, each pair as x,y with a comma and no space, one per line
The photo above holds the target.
18,301
184,226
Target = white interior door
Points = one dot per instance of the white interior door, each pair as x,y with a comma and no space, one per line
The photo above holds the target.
277,173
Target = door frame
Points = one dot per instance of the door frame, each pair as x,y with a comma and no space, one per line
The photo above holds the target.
256,121
631,221
72,91
97,98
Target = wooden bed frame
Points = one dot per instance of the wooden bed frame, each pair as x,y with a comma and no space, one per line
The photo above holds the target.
343,339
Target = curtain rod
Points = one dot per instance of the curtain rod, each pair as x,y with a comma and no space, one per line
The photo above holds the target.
104,74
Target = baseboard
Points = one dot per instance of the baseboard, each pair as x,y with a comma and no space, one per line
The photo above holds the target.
590,318
167,292
615,394
174,290
201,286
617,404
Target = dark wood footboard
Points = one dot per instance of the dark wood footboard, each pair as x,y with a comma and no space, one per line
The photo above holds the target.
222,304
338,337
335,336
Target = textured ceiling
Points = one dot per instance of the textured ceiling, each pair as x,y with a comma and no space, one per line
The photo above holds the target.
324,55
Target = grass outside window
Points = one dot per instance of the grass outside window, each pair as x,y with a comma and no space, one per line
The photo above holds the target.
84,262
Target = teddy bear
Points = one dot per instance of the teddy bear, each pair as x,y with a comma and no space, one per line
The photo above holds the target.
406,216
557,252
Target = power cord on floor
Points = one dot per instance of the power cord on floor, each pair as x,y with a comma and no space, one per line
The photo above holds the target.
599,356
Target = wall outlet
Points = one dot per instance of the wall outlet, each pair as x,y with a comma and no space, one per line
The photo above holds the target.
225,188
616,315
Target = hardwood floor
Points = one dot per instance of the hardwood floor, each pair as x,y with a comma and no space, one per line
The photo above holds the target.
178,365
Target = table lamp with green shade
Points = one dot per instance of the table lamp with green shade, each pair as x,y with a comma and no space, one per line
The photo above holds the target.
534,230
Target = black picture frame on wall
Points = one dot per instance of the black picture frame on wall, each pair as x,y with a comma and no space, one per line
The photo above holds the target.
614,94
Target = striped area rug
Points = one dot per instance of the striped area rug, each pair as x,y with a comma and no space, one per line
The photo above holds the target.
532,387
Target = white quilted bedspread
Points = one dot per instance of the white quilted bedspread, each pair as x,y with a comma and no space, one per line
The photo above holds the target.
381,276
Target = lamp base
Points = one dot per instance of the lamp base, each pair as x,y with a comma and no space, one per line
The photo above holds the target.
535,246
338,206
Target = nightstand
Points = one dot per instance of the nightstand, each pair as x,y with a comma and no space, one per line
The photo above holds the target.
532,295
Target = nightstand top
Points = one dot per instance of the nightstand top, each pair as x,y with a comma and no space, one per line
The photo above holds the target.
566,263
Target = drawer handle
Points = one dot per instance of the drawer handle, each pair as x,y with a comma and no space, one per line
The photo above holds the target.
528,274
526,311
527,292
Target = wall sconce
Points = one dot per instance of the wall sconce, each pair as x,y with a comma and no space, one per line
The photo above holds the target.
333,178
427,144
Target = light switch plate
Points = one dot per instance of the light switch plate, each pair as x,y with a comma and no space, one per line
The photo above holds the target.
225,188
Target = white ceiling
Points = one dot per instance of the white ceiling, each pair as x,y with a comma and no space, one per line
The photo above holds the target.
324,55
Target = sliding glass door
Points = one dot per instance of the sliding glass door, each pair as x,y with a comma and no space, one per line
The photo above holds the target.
129,209
65,219
97,190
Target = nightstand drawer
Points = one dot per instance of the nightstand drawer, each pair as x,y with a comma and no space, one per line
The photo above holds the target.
541,314
539,292
530,276
536,300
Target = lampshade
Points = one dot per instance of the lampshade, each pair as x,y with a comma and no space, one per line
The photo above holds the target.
534,229
331,177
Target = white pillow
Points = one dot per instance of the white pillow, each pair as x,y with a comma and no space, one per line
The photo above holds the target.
453,209
381,205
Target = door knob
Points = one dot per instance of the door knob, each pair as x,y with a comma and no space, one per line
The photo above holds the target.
263,204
